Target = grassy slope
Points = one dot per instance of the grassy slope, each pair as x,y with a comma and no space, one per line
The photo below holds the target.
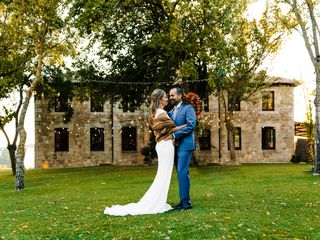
275,201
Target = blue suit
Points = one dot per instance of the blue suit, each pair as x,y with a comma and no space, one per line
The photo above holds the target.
185,115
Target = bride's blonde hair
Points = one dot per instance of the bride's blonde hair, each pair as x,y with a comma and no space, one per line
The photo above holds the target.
155,98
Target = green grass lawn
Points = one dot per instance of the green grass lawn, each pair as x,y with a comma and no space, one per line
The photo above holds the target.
267,201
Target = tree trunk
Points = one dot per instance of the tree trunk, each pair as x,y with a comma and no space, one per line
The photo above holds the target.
312,45
12,152
231,143
317,122
228,119
22,133
13,147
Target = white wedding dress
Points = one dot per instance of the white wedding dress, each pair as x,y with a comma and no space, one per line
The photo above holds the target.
155,199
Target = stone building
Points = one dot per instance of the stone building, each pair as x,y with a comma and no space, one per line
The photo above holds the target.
101,134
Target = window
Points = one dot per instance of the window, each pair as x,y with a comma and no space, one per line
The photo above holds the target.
237,139
97,102
61,139
205,139
206,104
268,138
60,104
236,104
129,138
96,139
268,101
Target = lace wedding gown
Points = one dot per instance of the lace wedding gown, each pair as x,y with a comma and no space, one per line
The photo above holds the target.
155,199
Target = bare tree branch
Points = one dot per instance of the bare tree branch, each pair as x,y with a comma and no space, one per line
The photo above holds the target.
304,31
4,132
16,115
314,27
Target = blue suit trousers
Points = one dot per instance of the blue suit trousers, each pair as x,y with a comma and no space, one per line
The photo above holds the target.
182,162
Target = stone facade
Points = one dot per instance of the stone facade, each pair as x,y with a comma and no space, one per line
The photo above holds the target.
251,119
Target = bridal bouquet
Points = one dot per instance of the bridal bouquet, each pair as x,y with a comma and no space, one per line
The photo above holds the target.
193,99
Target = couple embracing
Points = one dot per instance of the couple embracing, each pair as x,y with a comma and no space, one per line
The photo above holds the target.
174,133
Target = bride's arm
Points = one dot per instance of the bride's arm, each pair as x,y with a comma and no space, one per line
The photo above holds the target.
177,128
169,135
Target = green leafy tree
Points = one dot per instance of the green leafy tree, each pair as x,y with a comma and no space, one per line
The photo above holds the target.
240,76
57,87
165,41
152,41
15,56
7,114
44,33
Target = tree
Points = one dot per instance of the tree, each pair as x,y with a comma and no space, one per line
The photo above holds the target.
303,16
57,87
8,115
240,76
153,41
156,41
45,33
15,55
309,126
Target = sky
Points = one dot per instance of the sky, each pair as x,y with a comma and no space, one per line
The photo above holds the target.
292,61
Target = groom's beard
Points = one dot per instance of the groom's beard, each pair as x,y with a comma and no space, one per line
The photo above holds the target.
175,102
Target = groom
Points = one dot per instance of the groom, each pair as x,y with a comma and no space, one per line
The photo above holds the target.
181,114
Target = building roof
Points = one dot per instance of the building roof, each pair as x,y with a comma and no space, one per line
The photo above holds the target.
279,81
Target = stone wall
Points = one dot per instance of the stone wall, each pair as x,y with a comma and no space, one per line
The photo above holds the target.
79,153
251,119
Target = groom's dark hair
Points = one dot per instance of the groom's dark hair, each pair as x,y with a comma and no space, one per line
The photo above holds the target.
179,90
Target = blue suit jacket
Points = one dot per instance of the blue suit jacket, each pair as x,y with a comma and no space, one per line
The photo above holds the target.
185,115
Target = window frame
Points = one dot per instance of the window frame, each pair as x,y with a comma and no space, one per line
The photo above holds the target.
206,104
97,147
264,137
135,135
65,145
60,104
240,140
203,138
95,103
264,93
237,106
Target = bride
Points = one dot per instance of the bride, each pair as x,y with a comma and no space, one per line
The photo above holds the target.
155,199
